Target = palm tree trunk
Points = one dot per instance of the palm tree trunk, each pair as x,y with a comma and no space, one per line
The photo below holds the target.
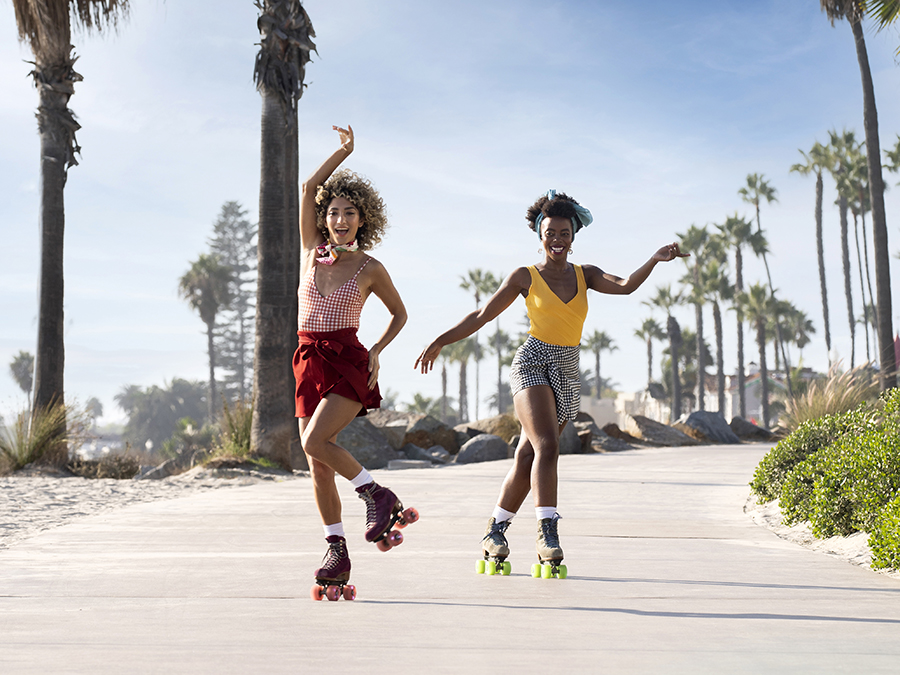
499,371
649,361
720,358
274,428
463,393
763,371
865,240
701,385
845,261
213,394
779,343
598,385
674,332
862,286
739,286
444,391
820,251
879,222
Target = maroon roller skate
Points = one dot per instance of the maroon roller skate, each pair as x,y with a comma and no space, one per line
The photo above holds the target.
383,511
333,575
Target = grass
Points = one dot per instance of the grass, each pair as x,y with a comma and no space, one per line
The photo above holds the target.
43,437
836,393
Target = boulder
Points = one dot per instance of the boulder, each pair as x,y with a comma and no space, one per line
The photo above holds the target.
748,431
464,433
435,454
569,443
395,432
654,432
613,431
426,431
396,464
603,442
505,426
367,444
483,448
706,427
382,416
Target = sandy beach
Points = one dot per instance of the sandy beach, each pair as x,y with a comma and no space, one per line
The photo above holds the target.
32,502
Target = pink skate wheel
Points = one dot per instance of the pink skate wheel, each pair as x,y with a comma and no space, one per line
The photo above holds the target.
349,592
317,592
332,593
410,515
383,544
395,537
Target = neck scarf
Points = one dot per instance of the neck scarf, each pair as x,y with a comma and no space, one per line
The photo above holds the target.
328,252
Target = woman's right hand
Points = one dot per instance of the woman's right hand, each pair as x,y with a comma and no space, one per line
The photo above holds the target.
346,137
428,357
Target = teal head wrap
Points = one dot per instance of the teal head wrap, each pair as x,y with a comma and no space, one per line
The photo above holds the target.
582,217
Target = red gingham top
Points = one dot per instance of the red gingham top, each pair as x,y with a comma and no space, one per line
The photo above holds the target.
341,309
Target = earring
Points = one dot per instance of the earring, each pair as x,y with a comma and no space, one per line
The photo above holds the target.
540,251
570,250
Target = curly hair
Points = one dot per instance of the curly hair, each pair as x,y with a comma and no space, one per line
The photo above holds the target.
561,205
358,191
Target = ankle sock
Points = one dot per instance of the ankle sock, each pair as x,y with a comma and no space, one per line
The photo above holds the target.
500,514
543,512
335,530
363,478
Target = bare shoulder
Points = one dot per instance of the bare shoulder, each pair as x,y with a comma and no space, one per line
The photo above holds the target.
520,278
592,274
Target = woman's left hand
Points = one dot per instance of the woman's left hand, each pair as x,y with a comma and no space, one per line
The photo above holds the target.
373,369
670,252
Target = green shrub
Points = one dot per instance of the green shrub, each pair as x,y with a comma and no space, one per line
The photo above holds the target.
884,539
111,466
810,437
235,438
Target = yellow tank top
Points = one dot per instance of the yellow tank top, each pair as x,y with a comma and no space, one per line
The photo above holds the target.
552,320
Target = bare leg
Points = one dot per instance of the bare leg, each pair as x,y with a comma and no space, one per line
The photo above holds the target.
534,466
319,434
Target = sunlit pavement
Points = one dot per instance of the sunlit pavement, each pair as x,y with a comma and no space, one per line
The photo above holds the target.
666,575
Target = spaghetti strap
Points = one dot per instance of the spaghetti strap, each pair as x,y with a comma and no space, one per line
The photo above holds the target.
368,258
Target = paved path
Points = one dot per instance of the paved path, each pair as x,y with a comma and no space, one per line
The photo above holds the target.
667,575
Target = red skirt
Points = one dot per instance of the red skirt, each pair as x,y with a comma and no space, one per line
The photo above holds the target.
332,362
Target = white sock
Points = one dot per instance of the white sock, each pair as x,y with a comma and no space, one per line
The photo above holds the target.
364,478
543,512
335,530
500,514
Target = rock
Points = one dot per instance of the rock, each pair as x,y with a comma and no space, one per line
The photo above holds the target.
654,432
569,443
382,416
367,444
436,453
505,426
464,433
603,442
168,468
706,427
426,432
483,448
586,436
395,432
395,464
613,431
748,431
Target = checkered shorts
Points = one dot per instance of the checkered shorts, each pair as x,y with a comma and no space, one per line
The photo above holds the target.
537,363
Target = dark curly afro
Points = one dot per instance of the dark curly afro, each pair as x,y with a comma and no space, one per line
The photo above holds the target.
561,205
358,191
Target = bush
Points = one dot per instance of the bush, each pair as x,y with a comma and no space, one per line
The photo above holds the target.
809,438
836,393
884,539
42,436
235,438
111,466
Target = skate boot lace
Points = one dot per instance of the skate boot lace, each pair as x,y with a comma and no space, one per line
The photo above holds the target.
499,528
336,552
549,533
371,511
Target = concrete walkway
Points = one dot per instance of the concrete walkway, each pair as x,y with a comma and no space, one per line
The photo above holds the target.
667,575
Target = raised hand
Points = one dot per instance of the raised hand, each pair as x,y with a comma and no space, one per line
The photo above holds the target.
428,357
670,252
346,137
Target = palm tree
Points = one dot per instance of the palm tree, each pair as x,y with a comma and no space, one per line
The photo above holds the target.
736,233
695,240
482,284
756,190
286,41
500,345
857,180
717,286
799,327
852,10
842,148
665,300
817,161
649,331
758,305
207,288
460,352
22,370
46,25
597,342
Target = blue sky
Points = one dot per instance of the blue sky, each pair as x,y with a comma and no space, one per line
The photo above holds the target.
651,114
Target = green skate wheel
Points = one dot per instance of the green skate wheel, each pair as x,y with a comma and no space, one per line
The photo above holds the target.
479,567
536,571
491,567
563,572
506,568
546,571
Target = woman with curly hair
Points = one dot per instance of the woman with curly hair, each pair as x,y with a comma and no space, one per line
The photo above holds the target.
341,217
544,376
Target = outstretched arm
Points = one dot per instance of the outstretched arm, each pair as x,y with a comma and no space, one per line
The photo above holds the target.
513,285
603,282
310,237
383,287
